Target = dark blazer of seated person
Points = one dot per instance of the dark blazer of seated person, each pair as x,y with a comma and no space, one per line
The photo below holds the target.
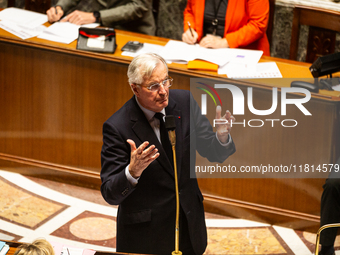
129,15
241,23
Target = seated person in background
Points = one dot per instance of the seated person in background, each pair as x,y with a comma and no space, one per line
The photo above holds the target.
227,24
130,15
37,247
330,211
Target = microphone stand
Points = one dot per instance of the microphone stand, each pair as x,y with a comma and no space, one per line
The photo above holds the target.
319,233
170,126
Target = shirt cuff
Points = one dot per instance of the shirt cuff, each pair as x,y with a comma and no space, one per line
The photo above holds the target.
229,141
131,179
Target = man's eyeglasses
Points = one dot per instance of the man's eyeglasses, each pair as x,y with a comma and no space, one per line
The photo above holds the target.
156,86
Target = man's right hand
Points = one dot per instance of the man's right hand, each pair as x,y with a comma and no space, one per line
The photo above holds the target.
141,157
54,14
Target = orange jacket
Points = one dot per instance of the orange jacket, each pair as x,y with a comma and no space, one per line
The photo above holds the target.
245,24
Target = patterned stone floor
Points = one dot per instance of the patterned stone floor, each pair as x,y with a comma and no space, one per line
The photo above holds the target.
31,208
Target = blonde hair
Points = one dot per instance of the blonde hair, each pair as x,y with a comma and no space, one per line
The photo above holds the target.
38,247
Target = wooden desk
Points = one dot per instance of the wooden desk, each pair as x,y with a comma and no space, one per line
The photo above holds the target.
54,100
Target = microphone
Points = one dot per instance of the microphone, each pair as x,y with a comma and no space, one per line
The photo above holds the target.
170,125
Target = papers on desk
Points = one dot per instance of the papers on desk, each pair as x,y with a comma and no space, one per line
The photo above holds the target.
22,23
23,17
26,24
336,87
181,52
21,31
4,248
235,63
63,32
60,249
250,71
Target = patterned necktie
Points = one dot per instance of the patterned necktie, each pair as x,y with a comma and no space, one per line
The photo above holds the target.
164,137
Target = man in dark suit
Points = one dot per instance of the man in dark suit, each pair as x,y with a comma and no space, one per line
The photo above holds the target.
138,175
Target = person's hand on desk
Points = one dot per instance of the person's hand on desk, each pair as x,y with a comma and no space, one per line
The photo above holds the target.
54,14
215,42
80,18
190,37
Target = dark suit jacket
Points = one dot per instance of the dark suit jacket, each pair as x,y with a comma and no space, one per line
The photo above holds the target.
146,214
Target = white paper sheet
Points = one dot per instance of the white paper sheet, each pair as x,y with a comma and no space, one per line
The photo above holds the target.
22,32
246,57
72,251
336,87
182,52
63,32
23,17
61,249
249,71
178,52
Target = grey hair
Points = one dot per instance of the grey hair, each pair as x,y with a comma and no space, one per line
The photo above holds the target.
142,66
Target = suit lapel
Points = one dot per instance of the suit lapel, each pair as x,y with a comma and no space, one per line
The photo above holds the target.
143,130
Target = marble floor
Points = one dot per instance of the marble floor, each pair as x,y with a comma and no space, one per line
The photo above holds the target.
31,208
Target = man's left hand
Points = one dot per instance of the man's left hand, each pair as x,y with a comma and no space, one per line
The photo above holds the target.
223,129
80,18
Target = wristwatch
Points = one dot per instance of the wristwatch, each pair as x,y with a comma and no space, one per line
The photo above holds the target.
96,14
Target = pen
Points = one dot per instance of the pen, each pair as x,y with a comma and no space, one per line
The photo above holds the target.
56,11
190,29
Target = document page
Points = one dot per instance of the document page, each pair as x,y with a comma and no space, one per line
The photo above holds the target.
4,249
61,249
20,31
246,57
216,56
248,71
63,32
72,251
182,52
22,17
179,52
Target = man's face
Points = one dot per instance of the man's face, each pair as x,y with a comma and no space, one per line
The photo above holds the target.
153,100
